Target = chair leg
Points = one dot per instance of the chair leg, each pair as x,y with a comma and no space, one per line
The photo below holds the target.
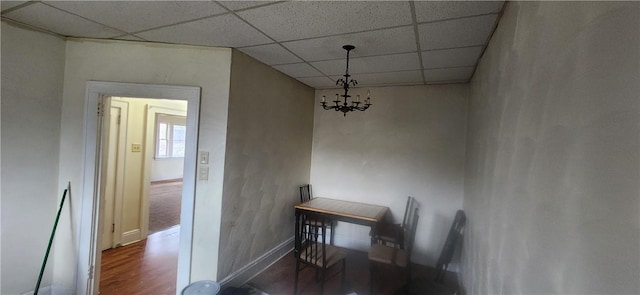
344,274
295,284
371,279
322,281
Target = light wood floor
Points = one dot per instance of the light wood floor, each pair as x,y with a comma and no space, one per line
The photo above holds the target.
145,267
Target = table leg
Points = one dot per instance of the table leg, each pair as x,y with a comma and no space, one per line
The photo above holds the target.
373,233
297,233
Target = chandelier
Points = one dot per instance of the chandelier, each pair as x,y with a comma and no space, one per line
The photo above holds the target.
343,105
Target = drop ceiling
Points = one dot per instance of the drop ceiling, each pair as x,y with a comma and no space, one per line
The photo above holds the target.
397,42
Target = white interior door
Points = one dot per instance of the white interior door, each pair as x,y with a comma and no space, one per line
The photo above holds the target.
113,175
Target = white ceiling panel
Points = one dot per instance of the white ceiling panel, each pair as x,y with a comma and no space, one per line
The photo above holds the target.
299,70
241,5
4,5
307,19
63,23
302,39
388,78
449,74
134,16
461,32
225,31
427,11
386,41
318,82
456,57
271,54
372,64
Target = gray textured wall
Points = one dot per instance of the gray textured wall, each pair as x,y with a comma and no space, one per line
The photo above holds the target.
32,76
409,143
268,155
552,172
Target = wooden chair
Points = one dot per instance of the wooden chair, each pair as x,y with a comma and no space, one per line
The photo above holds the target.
453,239
386,233
312,250
437,286
306,195
394,256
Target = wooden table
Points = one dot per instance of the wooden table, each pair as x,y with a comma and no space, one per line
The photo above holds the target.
339,210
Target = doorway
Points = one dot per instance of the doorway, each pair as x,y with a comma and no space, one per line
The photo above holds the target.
143,149
96,163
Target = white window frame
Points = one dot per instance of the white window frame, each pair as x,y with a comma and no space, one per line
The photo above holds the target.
170,120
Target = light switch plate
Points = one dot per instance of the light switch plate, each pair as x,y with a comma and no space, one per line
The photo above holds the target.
136,147
204,157
203,173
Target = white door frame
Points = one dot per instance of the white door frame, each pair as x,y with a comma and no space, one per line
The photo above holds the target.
88,248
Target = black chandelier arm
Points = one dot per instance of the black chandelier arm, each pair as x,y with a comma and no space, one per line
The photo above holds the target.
343,105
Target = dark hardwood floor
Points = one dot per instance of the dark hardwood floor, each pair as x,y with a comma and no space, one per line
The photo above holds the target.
279,278
145,267
149,267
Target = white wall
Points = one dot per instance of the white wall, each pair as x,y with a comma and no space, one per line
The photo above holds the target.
166,169
410,142
268,157
136,62
32,75
552,188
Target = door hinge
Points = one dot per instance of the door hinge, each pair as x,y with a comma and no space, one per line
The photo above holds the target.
100,109
119,117
90,272
113,227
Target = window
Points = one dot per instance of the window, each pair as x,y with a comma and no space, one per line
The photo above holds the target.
170,136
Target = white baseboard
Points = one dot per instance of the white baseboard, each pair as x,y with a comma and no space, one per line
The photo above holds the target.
61,290
42,291
130,237
255,267
52,290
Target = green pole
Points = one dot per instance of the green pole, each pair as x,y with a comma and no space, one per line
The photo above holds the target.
53,233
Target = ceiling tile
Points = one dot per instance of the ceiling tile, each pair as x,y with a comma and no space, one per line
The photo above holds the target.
134,16
271,54
456,33
457,57
372,64
427,11
450,74
224,31
378,42
240,5
308,19
298,70
318,82
4,5
51,19
388,78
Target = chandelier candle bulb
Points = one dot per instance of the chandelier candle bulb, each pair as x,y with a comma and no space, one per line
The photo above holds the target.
324,98
358,98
